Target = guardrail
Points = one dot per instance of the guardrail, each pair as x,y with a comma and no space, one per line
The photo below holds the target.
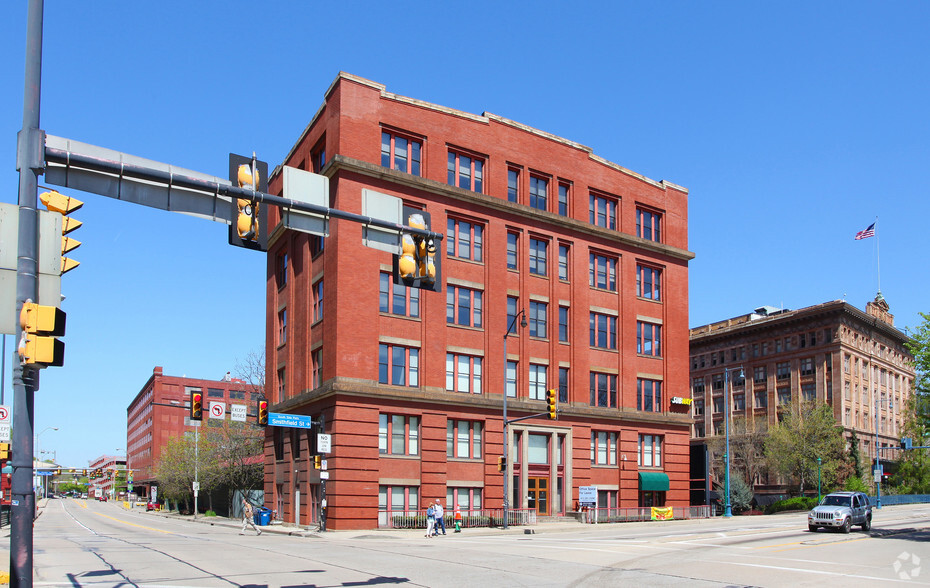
416,519
626,515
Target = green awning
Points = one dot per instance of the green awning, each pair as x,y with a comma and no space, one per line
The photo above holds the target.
653,482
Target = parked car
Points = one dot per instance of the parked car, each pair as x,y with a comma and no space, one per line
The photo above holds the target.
152,506
841,510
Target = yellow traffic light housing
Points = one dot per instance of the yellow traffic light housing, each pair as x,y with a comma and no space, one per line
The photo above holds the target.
263,413
419,264
249,225
41,325
4,451
552,399
196,406
317,461
57,202
501,463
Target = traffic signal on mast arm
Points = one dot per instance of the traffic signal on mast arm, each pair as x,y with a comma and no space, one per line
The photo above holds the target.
196,406
262,413
419,264
57,202
249,225
41,326
552,399
501,463
4,451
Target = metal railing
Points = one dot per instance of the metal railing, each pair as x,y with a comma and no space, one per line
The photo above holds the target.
416,519
626,515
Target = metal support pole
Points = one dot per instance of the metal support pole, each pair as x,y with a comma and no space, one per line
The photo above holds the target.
30,163
196,467
507,468
878,462
728,511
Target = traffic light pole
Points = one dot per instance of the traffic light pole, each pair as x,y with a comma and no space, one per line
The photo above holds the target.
30,163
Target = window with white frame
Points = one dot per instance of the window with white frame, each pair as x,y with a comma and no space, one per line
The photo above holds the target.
465,171
464,240
401,152
397,299
463,439
463,306
398,365
650,451
463,373
398,434
537,383
603,448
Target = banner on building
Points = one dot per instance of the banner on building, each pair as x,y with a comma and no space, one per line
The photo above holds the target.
662,513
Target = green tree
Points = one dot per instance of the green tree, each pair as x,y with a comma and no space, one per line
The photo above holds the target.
803,435
913,475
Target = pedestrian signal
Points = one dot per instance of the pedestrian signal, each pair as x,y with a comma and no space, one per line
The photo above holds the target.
41,326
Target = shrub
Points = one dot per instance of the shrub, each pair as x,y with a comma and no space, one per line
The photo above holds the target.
796,503
855,484
209,513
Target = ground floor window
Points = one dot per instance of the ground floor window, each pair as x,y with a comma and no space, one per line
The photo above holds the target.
648,498
398,498
463,499
607,498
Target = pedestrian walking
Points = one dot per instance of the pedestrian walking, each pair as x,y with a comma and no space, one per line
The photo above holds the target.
440,522
430,520
248,517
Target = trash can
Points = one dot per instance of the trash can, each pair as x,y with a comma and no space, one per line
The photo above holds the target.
263,517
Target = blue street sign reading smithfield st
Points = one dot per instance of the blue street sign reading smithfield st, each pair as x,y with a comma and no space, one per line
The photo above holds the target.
277,419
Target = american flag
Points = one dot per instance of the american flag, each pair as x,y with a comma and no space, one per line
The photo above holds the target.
869,232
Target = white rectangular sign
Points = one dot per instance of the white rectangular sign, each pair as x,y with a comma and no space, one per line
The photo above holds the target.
324,443
217,410
237,412
6,433
587,494
324,475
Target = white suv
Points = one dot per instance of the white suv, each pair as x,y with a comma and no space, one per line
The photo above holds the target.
841,510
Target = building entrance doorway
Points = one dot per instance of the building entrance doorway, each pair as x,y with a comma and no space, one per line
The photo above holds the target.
538,495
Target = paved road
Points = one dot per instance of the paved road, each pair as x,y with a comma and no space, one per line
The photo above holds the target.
89,543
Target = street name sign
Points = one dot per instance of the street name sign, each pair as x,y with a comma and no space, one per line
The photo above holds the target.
278,419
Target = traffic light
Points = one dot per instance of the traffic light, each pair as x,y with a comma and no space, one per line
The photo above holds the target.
317,461
501,463
263,413
249,225
39,345
552,400
196,406
4,451
419,263
57,202
906,443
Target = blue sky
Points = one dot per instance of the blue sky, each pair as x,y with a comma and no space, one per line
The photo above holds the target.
792,124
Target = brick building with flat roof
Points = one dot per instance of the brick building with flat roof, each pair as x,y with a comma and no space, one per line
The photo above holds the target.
855,361
409,382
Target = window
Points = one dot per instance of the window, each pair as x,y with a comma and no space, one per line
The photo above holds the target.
512,252
510,379
215,393
317,293
739,401
398,434
399,499
603,448
650,451
317,358
762,399
539,192
602,272
400,153
463,439
537,383
782,371
563,384
602,211
463,373
464,240
648,395
463,306
718,404
466,500
282,389
538,249
603,390
563,324
465,172
512,316
563,261
397,298
318,157
603,331
537,449
647,225
759,374
648,282
716,382
237,394
648,339
698,407
807,366
538,319
513,184
697,386
397,365
809,392
281,269
784,396
564,189
282,327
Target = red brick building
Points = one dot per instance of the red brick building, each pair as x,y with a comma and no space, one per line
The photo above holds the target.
409,382
161,411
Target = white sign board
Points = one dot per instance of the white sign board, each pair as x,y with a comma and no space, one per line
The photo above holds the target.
6,433
237,412
324,475
6,415
196,486
587,494
217,410
324,443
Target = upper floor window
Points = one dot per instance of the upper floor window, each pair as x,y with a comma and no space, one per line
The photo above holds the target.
512,251
648,395
602,211
318,157
647,225
759,374
400,152
463,439
398,434
602,272
807,366
463,373
648,282
513,184
398,365
463,306
563,324
317,375
604,447
603,331
539,192
282,326
510,379
216,393
465,171
564,191
603,390
782,370
563,261
648,338
464,240
317,293
538,319
397,298
563,384
538,381
538,256
650,451
281,269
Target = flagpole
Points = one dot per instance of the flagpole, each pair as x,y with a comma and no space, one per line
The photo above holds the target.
878,258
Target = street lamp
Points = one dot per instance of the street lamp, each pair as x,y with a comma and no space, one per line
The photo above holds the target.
39,454
522,316
818,480
728,511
